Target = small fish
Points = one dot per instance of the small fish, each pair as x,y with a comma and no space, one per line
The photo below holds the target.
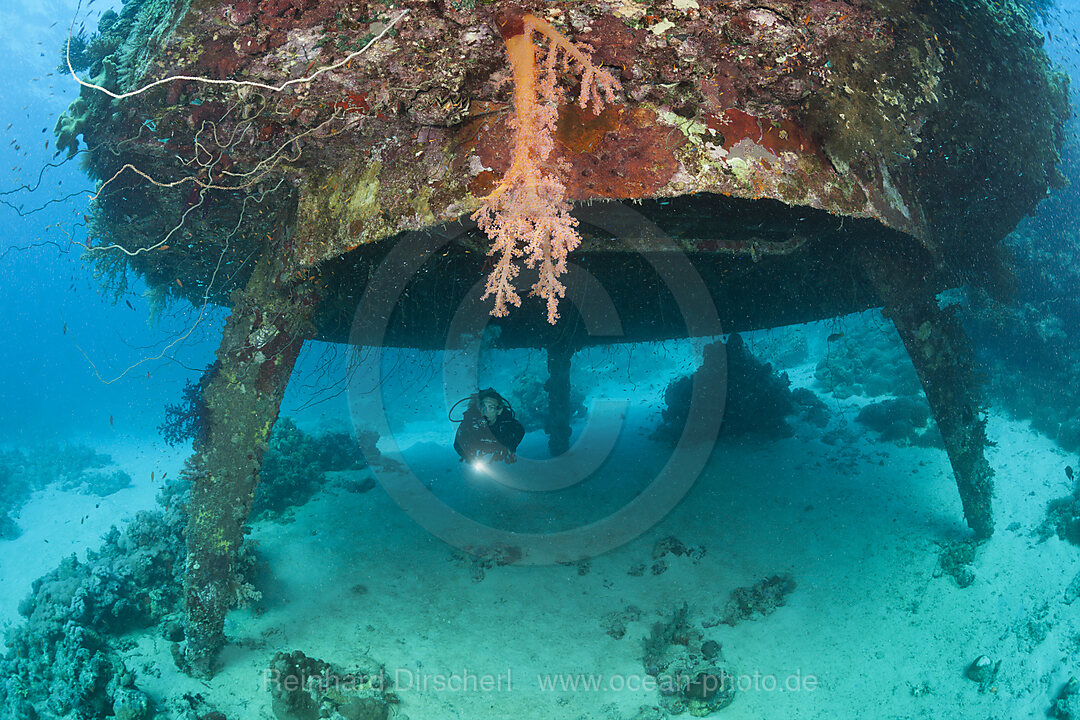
65,328
834,337
1069,472
151,476
110,421
128,302
164,475
180,284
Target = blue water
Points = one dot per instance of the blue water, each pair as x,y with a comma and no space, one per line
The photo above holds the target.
51,390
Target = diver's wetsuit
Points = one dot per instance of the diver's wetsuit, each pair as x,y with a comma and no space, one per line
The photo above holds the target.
476,437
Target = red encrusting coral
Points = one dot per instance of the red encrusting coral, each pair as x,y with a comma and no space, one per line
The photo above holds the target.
219,59
353,103
775,136
623,153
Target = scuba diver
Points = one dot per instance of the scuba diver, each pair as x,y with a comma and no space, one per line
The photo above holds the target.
488,427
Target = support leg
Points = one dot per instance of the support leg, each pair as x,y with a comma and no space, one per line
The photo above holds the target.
557,424
259,347
943,358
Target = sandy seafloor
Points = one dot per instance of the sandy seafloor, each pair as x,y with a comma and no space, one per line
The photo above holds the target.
857,526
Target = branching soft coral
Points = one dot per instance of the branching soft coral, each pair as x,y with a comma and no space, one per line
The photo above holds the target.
527,213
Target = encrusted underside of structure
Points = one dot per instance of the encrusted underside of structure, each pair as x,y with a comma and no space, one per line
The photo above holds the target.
262,339
929,118
804,158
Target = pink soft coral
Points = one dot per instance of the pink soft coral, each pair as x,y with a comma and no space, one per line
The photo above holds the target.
527,213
